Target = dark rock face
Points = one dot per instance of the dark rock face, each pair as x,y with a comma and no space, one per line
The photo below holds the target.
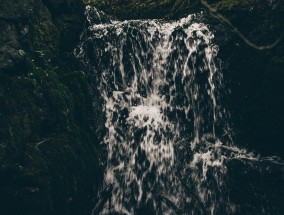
255,77
25,25
49,150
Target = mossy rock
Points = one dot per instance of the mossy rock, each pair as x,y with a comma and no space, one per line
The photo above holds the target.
47,144
50,154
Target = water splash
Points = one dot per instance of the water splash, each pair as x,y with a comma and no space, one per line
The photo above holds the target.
167,132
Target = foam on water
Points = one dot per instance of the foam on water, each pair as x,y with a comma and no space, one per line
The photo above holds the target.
161,84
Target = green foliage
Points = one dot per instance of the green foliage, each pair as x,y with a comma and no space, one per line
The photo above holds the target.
22,52
232,4
126,9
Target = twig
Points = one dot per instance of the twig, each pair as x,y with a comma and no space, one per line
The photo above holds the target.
104,196
39,143
194,196
46,140
171,205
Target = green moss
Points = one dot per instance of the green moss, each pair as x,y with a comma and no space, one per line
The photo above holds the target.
137,9
232,4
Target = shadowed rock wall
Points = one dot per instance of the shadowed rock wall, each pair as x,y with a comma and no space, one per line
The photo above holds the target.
49,150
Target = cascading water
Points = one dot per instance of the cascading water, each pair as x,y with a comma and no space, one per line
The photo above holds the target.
167,135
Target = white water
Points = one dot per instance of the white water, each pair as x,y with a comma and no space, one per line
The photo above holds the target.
161,84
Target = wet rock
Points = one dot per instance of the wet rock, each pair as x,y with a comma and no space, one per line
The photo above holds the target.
49,150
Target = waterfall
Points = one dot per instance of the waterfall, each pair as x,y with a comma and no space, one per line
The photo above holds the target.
168,136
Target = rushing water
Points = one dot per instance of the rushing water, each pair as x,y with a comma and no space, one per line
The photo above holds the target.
167,135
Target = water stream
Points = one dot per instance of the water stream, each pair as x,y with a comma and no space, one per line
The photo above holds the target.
168,133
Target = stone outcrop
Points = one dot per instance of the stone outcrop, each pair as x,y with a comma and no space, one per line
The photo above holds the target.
49,150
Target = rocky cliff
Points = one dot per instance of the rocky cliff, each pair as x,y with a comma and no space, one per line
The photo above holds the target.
49,150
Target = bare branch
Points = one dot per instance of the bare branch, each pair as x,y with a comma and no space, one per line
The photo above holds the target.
223,19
